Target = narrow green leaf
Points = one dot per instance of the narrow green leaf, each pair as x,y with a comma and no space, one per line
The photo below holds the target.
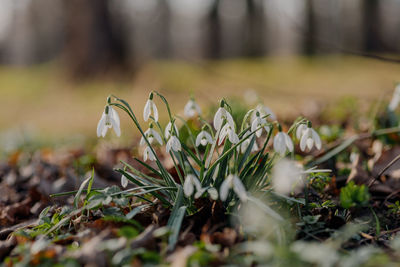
79,193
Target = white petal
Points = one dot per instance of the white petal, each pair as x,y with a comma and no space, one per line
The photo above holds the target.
300,130
223,134
155,110
218,118
208,137
101,124
124,181
233,138
289,142
115,126
279,144
167,131
157,136
114,115
188,186
197,183
199,193
213,193
225,186
176,146
145,154
147,110
199,138
310,143
255,124
187,111
303,140
168,146
230,120
317,139
239,188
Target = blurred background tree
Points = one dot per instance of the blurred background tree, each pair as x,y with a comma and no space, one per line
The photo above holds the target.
99,36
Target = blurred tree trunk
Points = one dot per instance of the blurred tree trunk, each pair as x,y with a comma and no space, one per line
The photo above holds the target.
93,46
310,37
255,28
214,42
371,21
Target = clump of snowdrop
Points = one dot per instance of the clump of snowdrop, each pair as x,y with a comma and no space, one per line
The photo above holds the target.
232,182
232,174
192,109
150,108
109,119
282,142
394,102
308,137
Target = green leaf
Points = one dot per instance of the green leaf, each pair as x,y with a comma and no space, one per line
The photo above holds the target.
79,193
176,227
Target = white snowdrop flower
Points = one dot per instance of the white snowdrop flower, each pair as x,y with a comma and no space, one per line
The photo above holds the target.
264,111
220,116
124,181
190,183
151,135
150,108
168,130
109,119
173,144
191,109
232,182
148,154
245,144
395,99
300,130
258,122
286,176
203,138
310,138
213,193
229,131
282,143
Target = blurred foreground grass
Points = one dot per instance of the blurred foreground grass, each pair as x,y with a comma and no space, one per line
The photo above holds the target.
42,100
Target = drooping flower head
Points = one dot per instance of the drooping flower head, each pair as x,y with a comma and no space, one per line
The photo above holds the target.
150,108
173,144
232,182
109,119
148,154
203,138
229,131
286,176
265,111
190,183
124,181
151,135
308,137
221,116
282,142
258,122
191,109
170,131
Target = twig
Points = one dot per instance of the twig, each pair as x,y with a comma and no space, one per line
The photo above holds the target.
384,169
